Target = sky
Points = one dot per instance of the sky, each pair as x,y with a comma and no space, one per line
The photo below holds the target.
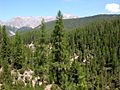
82,8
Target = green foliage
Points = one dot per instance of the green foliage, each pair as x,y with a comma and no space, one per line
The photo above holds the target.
59,53
5,57
40,56
86,58
18,53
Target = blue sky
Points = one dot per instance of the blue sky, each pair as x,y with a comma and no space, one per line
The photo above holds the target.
12,8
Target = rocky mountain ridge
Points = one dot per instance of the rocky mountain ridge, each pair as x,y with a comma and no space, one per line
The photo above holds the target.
32,21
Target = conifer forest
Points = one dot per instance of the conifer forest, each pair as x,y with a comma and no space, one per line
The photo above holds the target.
62,56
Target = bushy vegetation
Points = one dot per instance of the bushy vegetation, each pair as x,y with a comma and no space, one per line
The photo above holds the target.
87,58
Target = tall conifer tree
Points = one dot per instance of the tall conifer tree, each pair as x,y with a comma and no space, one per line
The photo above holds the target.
59,53
5,56
18,56
40,54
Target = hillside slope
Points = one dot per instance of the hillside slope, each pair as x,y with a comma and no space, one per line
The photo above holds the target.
71,24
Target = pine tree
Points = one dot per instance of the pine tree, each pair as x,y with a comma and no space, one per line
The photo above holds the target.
18,56
0,42
77,76
59,54
58,42
5,57
42,28
40,54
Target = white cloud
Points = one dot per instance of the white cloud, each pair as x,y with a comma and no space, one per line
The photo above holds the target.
113,7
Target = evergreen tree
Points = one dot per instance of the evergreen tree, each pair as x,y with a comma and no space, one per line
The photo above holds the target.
18,54
5,57
0,42
77,76
59,54
41,53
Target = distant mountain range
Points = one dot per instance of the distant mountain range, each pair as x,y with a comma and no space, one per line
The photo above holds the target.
70,22
19,22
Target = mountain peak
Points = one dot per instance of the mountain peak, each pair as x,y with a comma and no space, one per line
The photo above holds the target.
32,21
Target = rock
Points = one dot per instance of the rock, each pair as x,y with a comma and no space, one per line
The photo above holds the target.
48,87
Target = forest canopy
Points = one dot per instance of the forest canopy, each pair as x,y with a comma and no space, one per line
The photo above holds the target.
85,58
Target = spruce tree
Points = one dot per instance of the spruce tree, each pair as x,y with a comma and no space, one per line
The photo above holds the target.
0,42
77,76
5,57
40,53
18,56
59,54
